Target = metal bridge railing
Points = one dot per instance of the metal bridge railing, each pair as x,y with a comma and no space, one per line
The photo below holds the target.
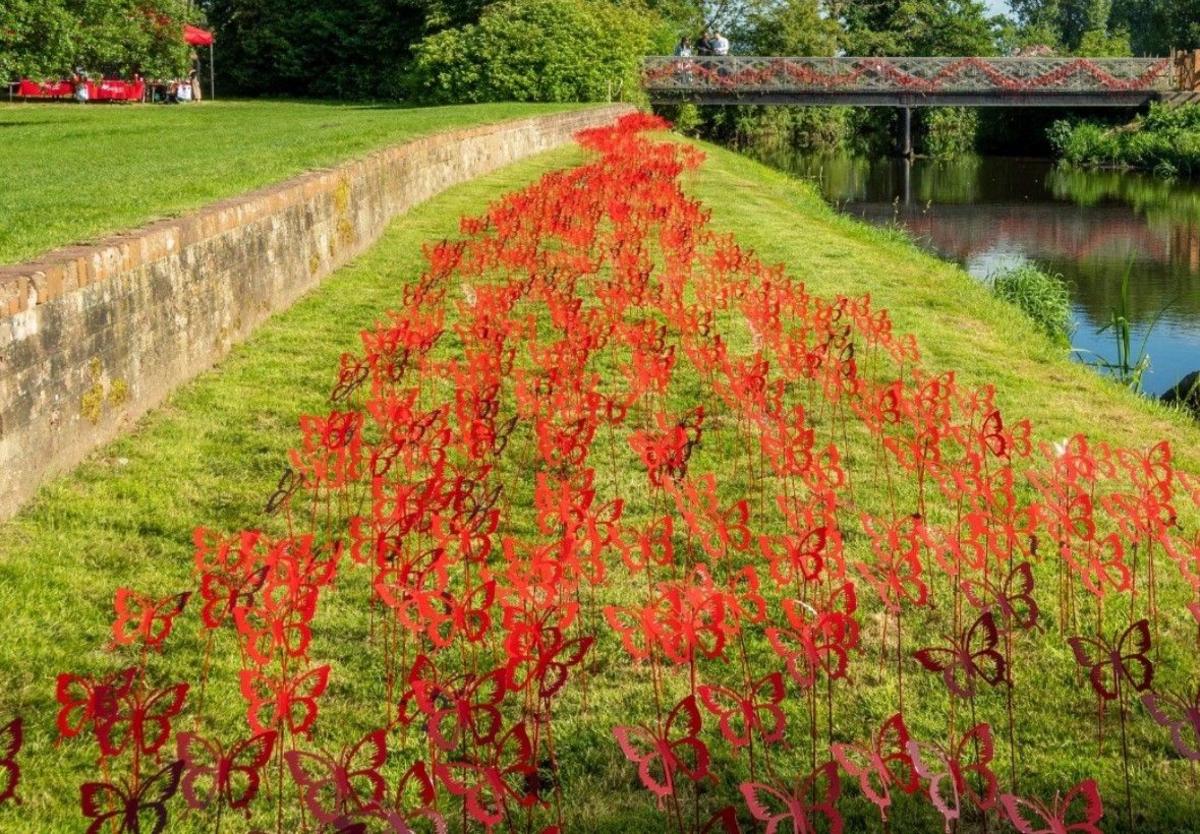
736,73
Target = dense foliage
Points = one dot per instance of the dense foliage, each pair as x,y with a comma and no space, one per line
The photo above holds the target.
1167,140
538,50
50,38
1040,296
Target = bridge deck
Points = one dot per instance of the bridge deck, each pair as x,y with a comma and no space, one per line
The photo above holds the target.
910,82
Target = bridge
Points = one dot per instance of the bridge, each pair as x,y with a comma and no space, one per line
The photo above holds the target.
924,82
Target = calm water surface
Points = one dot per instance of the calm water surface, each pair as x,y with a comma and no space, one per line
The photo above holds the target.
988,213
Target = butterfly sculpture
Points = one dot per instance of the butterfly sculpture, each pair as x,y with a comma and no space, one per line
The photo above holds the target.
348,782
967,658
142,619
138,808
231,777
1180,715
1113,662
881,764
807,805
742,717
668,750
11,738
961,770
1079,812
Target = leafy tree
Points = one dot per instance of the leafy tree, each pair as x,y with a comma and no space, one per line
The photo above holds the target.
48,38
350,48
540,50
916,27
787,27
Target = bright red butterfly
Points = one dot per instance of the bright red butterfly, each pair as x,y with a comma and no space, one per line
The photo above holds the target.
142,619
744,716
84,700
810,805
662,753
283,702
122,809
348,782
883,763
212,774
1079,812
1109,663
970,656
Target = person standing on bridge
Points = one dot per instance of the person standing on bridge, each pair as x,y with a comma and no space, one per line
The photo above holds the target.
720,45
683,49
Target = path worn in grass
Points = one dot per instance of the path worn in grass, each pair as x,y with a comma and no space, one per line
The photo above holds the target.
73,173
212,454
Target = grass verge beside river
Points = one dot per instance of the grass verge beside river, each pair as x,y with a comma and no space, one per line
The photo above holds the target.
74,173
211,455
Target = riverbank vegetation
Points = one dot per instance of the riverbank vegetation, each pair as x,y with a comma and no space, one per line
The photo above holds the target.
212,457
83,172
1166,141
1042,297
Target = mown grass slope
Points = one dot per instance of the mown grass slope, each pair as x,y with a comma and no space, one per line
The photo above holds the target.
212,455
73,173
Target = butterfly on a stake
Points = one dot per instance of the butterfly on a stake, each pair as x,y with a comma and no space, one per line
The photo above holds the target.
1113,662
349,781
1012,598
85,701
1180,715
228,777
968,657
664,752
145,620
807,805
962,769
11,738
1079,812
881,764
743,717
141,721
283,702
139,808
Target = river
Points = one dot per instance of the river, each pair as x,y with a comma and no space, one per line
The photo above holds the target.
1089,227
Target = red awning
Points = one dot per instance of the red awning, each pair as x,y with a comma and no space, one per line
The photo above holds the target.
196,36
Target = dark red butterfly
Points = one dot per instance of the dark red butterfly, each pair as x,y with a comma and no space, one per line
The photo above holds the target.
11,738
744,716
662,753
283,702
141,721
142,619
963,770
462,709
481,787
543,660
1179,715
884,762
230,777
1110,663
968,657
798,809
1079,812
123,809
349,782
222,592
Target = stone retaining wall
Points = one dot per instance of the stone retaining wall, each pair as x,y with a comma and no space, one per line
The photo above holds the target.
93,336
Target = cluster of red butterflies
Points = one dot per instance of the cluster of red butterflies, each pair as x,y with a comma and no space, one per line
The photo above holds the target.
517,504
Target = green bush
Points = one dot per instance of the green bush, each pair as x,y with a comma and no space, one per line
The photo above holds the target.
539,50
1166,140
1043,298
950,131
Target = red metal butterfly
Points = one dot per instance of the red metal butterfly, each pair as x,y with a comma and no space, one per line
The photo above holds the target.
348,782
212,774
663,752
1111,662
805,807
969,657
1079,812
125,809
881,764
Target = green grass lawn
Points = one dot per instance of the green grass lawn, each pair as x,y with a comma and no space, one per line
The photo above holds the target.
73,173
211,455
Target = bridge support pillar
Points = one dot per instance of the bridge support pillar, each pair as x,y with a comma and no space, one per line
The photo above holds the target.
904,145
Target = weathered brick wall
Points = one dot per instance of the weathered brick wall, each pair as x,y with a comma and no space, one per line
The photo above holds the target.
93,336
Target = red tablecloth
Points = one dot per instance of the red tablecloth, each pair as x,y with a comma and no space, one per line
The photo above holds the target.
107,90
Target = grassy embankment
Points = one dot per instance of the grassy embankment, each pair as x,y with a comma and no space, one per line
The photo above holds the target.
1166,141
212,454
74,173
